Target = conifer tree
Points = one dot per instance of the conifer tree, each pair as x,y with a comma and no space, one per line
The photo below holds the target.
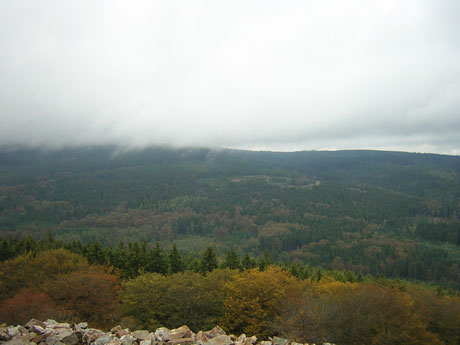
208,261
176,263
247,262
232,260
157,261
266,260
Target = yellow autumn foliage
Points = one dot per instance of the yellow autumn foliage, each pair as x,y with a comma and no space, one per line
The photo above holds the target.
253,297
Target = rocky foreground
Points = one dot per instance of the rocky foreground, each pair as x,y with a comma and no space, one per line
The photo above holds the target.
50,332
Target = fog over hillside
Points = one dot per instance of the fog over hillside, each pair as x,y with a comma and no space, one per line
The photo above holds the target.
297,75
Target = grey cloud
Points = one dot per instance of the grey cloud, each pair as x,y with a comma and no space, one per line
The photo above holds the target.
246,74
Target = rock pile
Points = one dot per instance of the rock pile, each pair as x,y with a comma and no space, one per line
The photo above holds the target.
50,332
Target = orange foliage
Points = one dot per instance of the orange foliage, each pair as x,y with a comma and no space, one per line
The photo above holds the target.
90,295
27,304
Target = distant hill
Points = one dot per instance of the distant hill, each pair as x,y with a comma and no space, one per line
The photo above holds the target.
390,213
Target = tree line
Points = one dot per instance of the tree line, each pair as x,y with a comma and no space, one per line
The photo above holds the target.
265,301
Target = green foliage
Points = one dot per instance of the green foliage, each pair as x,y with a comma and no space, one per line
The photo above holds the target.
232,260
208,261
389,213
176,263
180,299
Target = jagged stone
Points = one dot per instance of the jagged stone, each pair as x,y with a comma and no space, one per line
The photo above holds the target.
251,340
83,325
54,324
14,331
215,332
182,341
164,334
91,335
19,340
4,336
122,332
141,334
114,342
220,340
53,340
241,339
115,329
37,329
42,337
200,336
71,339
280,341
145,342
106,338
161,333
52,332
34,322
127,339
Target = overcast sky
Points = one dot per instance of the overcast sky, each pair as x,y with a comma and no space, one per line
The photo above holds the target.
253,74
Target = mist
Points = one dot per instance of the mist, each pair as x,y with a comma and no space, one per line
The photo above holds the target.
262,75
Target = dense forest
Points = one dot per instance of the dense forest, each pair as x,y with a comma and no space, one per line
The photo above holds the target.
389,214
297,302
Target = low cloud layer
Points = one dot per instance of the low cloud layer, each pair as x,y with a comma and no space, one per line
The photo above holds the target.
276,75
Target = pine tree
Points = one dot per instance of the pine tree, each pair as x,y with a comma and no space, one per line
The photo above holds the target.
232,260
176,264
157,262
208,261
266,260
247,262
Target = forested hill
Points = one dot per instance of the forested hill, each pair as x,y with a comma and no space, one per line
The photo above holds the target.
388,213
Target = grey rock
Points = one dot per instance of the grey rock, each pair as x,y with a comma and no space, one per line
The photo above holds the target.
37,329
179,333
54,324
115,329
215,332
122,332
161,333
20,340
83,325
53,340
114,342
127,339
91,334
266,342
42,337
71,339
4,336
145,342
106,338
141,334
34,322
200,336
220,340
241,339
14,331
164,334
251,340
182,341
